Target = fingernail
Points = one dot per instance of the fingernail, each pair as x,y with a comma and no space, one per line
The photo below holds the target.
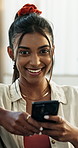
40,133
41,128
46,117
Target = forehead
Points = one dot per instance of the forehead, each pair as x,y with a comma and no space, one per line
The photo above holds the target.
34,39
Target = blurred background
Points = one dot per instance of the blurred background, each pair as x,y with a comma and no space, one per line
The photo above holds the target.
63,14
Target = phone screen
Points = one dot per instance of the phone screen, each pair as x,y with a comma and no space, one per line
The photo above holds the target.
42,108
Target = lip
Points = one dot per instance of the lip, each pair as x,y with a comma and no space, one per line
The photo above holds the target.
34,72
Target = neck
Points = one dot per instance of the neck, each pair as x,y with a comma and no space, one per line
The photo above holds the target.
34,91
33,86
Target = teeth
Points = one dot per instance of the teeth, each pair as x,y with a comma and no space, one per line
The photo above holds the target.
34,70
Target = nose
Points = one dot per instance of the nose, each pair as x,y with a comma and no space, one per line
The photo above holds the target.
35,60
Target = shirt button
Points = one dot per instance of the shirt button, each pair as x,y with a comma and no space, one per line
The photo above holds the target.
53,141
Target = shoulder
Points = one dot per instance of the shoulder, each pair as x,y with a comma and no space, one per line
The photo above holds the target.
4,95
65,88
3,87
69,93
4,91
8,94
9,90
68,90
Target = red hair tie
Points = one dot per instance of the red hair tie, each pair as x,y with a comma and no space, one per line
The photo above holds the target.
27,9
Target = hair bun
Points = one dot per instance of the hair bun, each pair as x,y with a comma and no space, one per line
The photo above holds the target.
27,9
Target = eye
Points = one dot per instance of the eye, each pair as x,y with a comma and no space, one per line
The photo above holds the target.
24,52
45,51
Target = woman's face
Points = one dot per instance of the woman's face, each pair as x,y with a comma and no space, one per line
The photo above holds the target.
33,57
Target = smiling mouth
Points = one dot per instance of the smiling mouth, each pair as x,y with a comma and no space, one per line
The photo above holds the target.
34,72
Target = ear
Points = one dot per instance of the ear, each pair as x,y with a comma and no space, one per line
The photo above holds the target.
10,52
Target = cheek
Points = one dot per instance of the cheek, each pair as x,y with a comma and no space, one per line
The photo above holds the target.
48,61
49,64
19,63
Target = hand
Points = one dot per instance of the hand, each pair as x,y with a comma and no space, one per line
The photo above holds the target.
62,130
17,123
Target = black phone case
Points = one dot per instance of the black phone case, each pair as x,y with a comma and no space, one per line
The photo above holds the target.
42,108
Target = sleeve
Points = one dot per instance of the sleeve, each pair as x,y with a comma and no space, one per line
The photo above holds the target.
2,145
5,101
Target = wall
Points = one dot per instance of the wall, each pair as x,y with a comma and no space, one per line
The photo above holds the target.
65,23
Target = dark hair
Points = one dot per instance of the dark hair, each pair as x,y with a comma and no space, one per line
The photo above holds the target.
28,24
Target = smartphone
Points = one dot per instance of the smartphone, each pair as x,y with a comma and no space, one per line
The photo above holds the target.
42,108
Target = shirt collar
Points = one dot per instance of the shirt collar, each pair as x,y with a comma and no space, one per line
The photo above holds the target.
15,93
57,93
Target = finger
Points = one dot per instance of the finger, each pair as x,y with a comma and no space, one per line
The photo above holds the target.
31,121
57,125
34,123
31,128
25,129
57,119
52,133
22,130
60,136
28,116
51,126
24,122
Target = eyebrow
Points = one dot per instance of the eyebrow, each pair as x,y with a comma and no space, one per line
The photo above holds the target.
24,47
44,46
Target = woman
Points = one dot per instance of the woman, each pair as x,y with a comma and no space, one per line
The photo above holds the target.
31,47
